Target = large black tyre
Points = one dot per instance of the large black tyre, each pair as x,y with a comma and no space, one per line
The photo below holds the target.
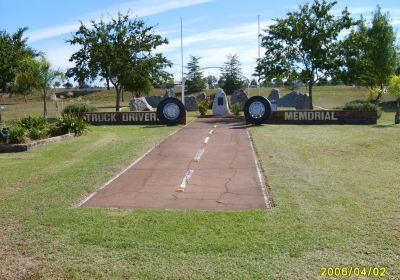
170,111
257,110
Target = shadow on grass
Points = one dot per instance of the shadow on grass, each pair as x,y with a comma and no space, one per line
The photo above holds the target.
389,106
78,93
106,107
385,125
154,126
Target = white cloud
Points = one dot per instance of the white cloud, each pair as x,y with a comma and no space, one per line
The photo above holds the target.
59,57
143,8
138,8
396,21
362,10
49,32
214,45
221,36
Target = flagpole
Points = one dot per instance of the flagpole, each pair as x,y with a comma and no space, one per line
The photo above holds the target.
259,53
183,81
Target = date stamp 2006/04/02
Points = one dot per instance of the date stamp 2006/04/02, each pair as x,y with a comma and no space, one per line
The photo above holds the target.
371,271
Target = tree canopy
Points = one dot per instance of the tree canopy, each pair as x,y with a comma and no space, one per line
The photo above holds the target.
370,52
231,75
196,82
212,81
14,51
304,45
26,79
122,51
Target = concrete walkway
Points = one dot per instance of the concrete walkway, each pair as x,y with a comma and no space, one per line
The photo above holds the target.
209,165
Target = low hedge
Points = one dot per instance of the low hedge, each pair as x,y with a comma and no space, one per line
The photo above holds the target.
78,108
359,105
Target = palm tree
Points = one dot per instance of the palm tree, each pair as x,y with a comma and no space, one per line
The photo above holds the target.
46,77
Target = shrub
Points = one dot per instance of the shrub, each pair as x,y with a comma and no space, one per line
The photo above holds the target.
203,106
30,122
236,108
70,124
374,92
35,133
36,127
78,108
17,134
363,106
211,98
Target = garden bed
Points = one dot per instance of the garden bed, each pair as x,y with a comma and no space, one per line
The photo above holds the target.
12,148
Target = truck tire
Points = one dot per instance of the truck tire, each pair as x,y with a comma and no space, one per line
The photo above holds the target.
257,110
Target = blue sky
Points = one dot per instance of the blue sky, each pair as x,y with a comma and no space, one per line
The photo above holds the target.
212,29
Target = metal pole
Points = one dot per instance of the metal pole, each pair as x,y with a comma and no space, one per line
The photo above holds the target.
183,81
259,53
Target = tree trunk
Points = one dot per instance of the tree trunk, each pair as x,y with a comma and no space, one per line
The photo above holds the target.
44,104
310,86
379,94
26,101
397,117
122,95
108,83
117,104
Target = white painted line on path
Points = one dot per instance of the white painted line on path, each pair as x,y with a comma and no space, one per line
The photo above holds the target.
206,140
260,175
199,154
211,131
185,181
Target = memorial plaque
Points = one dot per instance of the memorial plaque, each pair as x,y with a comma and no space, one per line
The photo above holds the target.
317,117
128,118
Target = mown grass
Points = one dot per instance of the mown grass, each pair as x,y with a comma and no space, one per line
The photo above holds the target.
39,187
335,190
339,185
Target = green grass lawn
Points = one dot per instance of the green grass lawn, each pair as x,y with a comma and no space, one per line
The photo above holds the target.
335,190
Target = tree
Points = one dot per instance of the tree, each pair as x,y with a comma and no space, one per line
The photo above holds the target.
13,52
253,83
68,85
46,78
196,82
26,79
212,81
56,84
231,78
278,82
354,59
140,86
370,53
394,89
304,45
120,51
381,49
